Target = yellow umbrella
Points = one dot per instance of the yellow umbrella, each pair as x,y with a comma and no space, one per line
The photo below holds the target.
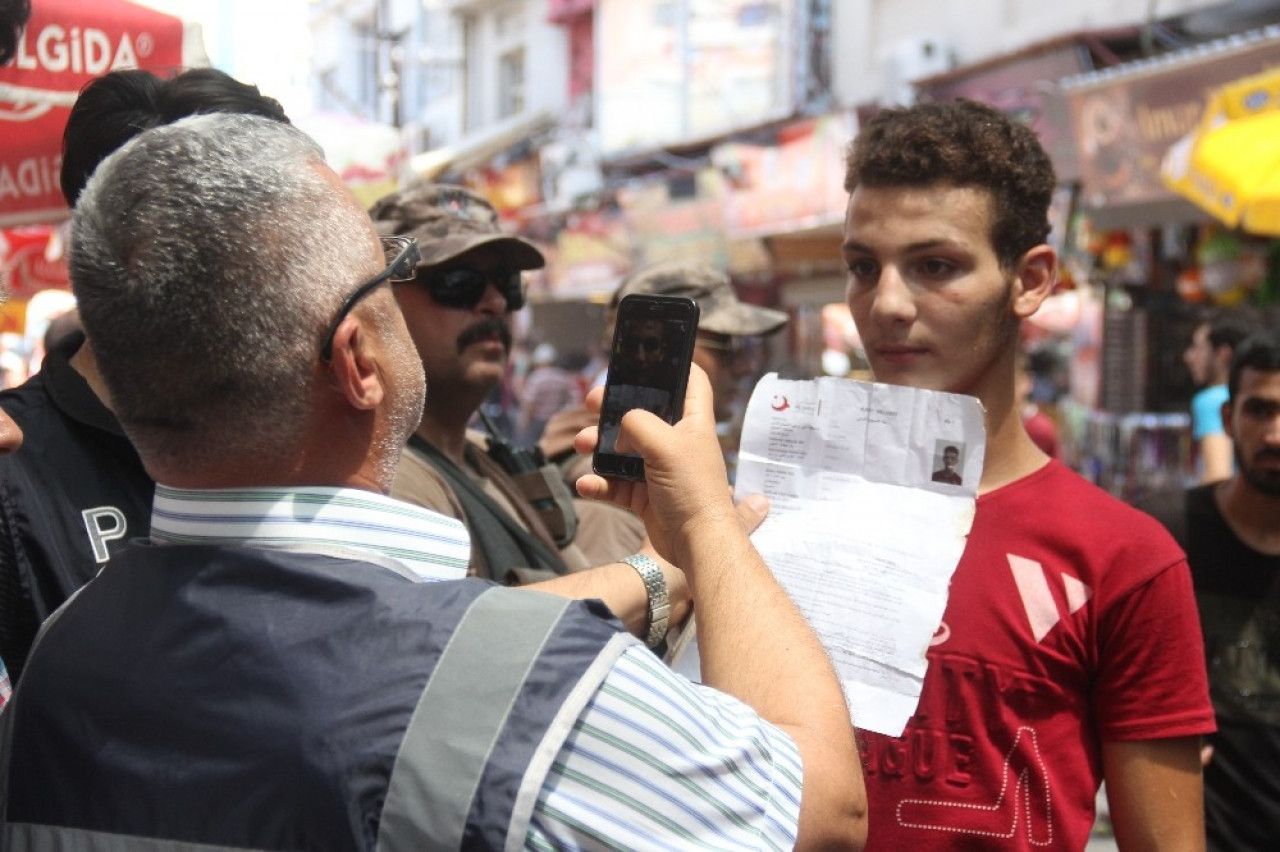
1230,164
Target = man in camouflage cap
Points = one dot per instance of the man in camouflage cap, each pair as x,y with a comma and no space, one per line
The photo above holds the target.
450,221
724,323
726,328
458,309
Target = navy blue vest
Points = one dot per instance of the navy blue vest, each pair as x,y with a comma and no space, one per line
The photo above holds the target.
259,699
68,502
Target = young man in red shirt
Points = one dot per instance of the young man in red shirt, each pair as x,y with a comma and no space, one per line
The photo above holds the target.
1070,650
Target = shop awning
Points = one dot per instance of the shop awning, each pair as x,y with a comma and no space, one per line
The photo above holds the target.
481,146
66,44
1126,118
1230,165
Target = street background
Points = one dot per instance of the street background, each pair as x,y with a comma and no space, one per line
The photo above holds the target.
619,133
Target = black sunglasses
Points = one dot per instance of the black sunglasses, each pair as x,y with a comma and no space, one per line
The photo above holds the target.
402,258
464,287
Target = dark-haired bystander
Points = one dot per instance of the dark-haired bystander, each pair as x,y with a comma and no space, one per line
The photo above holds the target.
80,491
1208,360
1230,530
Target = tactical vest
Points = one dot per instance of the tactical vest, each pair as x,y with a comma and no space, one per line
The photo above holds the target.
219,697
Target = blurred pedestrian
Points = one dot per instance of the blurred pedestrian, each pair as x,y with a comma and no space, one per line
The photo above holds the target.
1068,651
81,491
61,329
1040,427
283,664
525,523
547,389
1231,533
1208,359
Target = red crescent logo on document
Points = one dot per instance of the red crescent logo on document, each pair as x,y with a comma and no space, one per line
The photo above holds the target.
780,403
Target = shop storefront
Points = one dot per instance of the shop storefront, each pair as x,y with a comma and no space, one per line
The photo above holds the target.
1155,260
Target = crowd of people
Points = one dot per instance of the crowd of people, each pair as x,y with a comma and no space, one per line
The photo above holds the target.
265,584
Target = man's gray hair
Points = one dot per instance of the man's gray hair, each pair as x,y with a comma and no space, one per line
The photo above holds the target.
208,257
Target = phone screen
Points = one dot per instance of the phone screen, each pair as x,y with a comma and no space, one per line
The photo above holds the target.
648,368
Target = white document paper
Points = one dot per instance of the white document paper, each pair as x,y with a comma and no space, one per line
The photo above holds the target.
872,492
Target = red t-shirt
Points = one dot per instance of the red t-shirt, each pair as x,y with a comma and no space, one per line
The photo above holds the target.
1070,621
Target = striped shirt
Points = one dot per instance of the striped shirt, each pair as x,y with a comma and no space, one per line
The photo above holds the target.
653,762
429,545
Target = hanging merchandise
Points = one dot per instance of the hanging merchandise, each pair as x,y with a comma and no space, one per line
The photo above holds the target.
1132,455
1189,285
1231,267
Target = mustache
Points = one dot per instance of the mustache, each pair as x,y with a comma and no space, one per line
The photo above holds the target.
486,329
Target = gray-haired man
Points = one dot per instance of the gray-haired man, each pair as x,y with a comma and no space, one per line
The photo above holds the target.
287,663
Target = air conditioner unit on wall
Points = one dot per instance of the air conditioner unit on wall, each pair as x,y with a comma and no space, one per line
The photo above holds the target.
904,61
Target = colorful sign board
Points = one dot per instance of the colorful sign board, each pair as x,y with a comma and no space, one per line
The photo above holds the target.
66,44
1126,121
675,72
795,185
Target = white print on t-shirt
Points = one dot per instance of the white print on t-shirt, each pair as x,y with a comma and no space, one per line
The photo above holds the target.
1037,597
100,533
942,634
1030,801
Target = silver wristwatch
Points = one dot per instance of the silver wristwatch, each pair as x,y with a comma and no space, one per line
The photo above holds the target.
659,604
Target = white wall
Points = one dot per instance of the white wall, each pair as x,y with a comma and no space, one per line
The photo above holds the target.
433,71
267,44
500,25
865,30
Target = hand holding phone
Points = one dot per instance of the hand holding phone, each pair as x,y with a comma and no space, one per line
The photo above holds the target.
648,368
685,472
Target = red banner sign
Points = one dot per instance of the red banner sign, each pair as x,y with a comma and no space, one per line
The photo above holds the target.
67,43
30,261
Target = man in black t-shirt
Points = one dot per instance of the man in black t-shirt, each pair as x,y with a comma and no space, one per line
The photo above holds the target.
1231,532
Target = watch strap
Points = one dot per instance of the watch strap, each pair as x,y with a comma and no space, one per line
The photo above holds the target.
659,604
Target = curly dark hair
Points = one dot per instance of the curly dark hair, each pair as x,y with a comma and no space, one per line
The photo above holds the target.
965,144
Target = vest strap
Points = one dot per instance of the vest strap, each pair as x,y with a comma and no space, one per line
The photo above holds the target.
472,688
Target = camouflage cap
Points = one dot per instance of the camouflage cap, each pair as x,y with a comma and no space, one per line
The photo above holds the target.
720,310
448,221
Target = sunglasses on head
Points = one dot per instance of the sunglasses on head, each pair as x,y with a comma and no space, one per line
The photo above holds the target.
464,287
402,256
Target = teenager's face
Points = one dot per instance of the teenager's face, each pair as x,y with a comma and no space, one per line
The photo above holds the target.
930,300
1253,422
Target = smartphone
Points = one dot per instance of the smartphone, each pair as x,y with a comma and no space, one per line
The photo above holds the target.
648,368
